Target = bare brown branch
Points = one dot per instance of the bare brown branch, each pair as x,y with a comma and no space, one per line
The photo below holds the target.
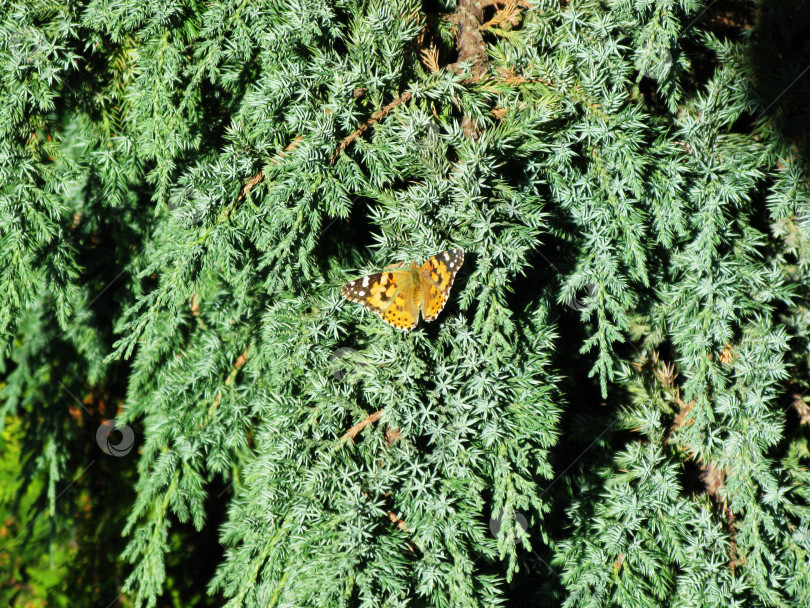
249,186
471,47
680,417
400,524
350,434
469,40
260,175
370,122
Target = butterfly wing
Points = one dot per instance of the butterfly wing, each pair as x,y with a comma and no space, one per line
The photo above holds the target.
389,294
438,274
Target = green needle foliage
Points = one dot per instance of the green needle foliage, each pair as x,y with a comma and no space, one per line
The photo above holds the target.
611,409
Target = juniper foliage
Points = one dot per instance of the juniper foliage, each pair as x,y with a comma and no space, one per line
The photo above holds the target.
610,410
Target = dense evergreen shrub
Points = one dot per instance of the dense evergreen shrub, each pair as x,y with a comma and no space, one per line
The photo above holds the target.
612,409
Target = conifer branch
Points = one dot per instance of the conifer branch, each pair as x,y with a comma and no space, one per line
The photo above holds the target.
240,361
350,434
249,186
654,193
379,115
260,175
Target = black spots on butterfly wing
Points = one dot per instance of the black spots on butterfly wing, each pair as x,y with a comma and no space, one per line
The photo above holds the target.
442,268
438,274
379,292
359,290
453,259
401,312
433,303
393,296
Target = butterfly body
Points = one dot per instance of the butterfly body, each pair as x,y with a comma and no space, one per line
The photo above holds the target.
399,295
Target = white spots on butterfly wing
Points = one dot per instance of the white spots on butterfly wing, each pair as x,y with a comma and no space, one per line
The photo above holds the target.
361,293
365,282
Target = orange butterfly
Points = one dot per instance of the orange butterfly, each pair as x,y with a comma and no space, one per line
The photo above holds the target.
398,295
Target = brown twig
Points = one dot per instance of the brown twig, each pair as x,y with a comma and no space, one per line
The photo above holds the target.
680,417
249,186
240,361
617,565
260,175
350,434
509,77
368,123
400,524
